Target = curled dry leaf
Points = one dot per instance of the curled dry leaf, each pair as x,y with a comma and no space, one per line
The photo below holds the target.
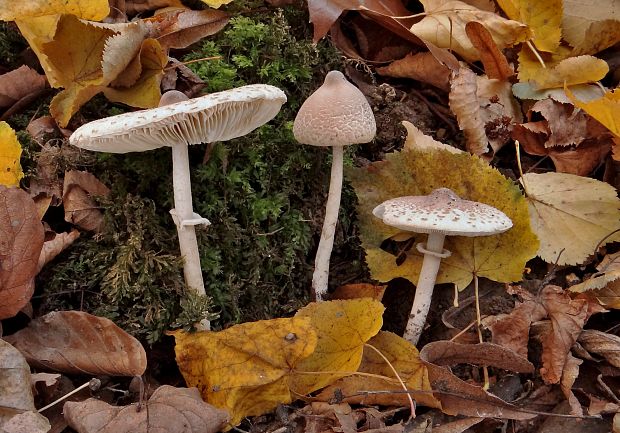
464,103
461,398
16,84
53,247
602,343
75,342
605,284
495,64
80,208
21,240
422,67
181,28
571,214
169,409
569,375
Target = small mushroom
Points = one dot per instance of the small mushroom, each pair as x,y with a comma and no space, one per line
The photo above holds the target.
336,114
178,123
439,214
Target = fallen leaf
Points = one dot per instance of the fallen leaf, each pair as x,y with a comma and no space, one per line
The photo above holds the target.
169,409
606,109
87,9
10,153
26,422
76,342
53,247
181,28
133,7
571,214
418,141
18,83
422,67
246,368
528,90
358,291
567,125
461,398
495,64
411,172
604,285
603,344
40,127
464,103
567,72
21,240
403,356
342,327
590,26
544,18
16,396
569,375
444,26
80,208
38,31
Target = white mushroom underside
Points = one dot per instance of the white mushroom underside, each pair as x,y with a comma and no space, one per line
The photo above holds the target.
216,117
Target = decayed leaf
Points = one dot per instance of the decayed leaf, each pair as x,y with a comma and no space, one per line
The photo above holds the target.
544,18
86,9
181,28
570,72
357,291
569,375
21,240
216,3
464,103
605,285
495,64
26,422
10,152
76,342
55,246
571,214
422,67
606,109
80,208
603,344
343,327
16,396
410,172
417,140
461,398
444,26
18,83
169,409
404,358
591,27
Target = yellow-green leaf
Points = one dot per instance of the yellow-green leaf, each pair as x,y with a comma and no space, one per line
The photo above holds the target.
10,152
543,17
95,10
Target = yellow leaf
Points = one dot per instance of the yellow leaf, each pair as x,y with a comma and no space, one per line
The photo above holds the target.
543,17
216,3
591,26
343,327
10,152
417,140
38,31
11,10
444,26
606,109
571,214
245,368
404,357
409,172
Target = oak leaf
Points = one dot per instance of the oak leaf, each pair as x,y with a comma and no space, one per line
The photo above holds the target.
544,18
169,409
571,214
444,26
410,172
10,153
87,9
76,342
21,240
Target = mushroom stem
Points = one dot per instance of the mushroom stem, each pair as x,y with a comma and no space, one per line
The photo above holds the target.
424,289
321,262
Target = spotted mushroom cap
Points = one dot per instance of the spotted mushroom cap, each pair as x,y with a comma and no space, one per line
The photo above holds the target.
442,212
216,117
336,114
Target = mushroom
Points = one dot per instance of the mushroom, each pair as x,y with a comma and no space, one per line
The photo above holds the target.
439,214
178,123
336,114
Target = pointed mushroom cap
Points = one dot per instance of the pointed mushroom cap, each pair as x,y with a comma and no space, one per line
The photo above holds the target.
336,114
442,212
216,117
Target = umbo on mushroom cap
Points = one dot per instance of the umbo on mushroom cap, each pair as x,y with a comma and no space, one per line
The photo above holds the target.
216,117
442,211
336,114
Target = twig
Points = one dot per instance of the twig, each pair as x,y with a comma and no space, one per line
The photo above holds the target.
94,384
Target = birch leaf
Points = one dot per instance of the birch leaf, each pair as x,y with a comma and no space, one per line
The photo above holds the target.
570,72
544,18
606,109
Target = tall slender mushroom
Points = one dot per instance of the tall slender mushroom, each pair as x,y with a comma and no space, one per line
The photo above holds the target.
216,117
337,114
439,214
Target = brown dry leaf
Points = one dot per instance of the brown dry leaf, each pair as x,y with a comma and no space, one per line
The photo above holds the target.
76,342
53,247
544,18
417,140
591,26
21,240
604,285
461,398
422,67
602,343
464,103
569,375
26,422
360,290
571,214
169,409
16,396
181,28
16,84
403,356
80,208
495,64
40,127
88,9
444,26
567,125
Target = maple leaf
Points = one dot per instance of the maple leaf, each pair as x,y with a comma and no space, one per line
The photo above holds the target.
10,152
544,18
411,172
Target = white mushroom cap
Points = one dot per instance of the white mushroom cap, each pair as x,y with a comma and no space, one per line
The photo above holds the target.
442,212
216,117
336,114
